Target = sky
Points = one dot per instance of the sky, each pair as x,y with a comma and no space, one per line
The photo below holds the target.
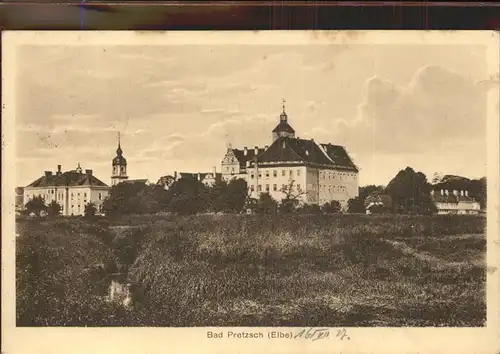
178,106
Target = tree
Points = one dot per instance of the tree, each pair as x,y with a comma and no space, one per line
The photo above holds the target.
266,204
36,205
187,196
332,207
410,193
228,197
134,198
310,209
236,195
54,209
90,210
356,205
166,182
292,197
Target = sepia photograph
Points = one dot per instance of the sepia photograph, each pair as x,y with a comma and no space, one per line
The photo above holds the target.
307,180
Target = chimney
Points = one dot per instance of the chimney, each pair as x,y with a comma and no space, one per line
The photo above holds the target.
48,173
88,172
265,147
175,175
442,192
446,192
455,192
59,169
461,193
466,193
199,177
256,150
245,151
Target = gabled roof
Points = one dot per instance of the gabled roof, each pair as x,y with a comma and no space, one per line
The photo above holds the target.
285,149
141,180
242,158
67,179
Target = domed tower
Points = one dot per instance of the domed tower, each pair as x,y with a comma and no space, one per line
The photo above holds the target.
119,164
283,128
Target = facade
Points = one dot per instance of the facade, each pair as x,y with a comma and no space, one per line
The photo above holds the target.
455,202
119,166
72,190
378,203
317,173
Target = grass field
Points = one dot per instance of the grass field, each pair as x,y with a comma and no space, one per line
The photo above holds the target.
249,270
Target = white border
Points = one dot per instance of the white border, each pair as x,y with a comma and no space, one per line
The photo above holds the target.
163,340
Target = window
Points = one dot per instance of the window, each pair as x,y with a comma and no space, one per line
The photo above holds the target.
227,169
267,187
267,174
283,187
78,194
291,173
85,195
260,174
251,176
100,196
85,201
232,171
52,191
283,172
252,188
275,173
298,187
275,187
298,172
259,188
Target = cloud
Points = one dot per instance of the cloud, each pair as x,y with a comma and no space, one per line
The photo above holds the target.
436,106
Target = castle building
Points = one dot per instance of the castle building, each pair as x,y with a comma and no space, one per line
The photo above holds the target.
119,166
72,190
316,173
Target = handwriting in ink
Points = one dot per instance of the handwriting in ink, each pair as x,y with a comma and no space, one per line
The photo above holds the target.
313,334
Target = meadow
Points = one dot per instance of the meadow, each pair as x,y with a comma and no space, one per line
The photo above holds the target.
254,270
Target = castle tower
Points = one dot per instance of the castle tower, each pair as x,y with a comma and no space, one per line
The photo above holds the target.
119,173
283,129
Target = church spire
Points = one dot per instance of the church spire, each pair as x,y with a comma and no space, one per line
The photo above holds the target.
119,151
283,116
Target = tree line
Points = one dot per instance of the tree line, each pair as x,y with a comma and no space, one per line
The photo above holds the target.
407,193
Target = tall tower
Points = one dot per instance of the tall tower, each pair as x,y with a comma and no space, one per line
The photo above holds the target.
283,128
119,173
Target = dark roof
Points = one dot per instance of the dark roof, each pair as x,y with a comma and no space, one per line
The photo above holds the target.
203,175
119,161
67,179
142,180
283,126
286,149
242,158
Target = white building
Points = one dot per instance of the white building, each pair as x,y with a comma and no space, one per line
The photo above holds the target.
318,173
72,190
455,202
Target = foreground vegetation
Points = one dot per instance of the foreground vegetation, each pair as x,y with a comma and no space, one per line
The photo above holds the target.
252,270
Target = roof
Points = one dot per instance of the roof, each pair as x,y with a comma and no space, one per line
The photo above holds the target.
142,180
283,126
377,199
285,149
119,161
68,179
19,190
250,155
